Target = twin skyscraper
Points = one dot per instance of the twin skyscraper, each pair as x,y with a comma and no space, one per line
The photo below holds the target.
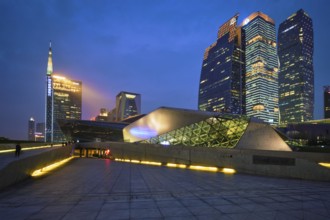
246,71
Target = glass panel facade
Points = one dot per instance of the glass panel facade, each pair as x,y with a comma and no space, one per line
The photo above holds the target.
220,87
296,77
219,131
261,68
127,104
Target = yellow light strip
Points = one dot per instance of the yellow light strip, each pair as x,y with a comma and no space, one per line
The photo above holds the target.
176,165
6,151
29,148
212,169
183,166
137,161
46,169
228,170
151,163
325,164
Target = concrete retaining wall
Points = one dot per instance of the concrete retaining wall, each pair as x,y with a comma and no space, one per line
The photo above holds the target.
22,168
299,165
7,146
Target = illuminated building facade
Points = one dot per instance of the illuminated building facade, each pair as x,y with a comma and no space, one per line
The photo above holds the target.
172,126
326,94
261,67
296,75
221,83
49,99
127,104
63,101
67,102
31,129
103,116
40,132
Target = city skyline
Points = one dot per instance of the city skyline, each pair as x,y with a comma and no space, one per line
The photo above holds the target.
154,49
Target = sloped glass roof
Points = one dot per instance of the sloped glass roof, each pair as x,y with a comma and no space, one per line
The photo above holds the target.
217,131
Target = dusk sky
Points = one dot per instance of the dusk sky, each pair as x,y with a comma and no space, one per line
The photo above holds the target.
151,47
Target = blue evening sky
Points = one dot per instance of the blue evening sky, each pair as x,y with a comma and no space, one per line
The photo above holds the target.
151,47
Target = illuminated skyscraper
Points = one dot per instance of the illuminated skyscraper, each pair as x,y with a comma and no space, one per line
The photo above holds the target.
221,83
67,102
40,132
326,94
63,101
296,76
127,104
49,99
31,129
261,66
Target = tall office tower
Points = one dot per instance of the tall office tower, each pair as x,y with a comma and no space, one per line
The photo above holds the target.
296,75
49,99
31,129
221,83
261,67
63,101
40,131
67,96
326,94
127,104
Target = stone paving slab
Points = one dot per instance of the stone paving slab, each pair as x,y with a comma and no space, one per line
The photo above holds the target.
103,189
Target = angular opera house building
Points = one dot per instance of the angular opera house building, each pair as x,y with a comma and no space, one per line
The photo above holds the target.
172,126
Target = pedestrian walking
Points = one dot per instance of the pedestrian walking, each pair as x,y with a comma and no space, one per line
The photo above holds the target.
18,150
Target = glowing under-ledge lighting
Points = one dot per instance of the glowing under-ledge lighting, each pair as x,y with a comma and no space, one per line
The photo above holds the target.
46,169
151,163
212,169
228,170
325,164
193,167
23,149
137,161
176,165
6,151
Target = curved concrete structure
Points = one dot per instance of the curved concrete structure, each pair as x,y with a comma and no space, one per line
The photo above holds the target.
172,126
260,136
286,164
21,168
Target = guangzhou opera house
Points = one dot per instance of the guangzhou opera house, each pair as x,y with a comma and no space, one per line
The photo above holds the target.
183,127
172,126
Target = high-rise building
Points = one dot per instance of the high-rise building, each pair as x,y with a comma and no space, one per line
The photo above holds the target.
103,116
67,102
261,67
326,94
296,75
40,132
127,104
63,99
221,82
49,99
31,129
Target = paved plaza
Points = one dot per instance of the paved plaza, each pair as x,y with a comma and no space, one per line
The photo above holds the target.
104,189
